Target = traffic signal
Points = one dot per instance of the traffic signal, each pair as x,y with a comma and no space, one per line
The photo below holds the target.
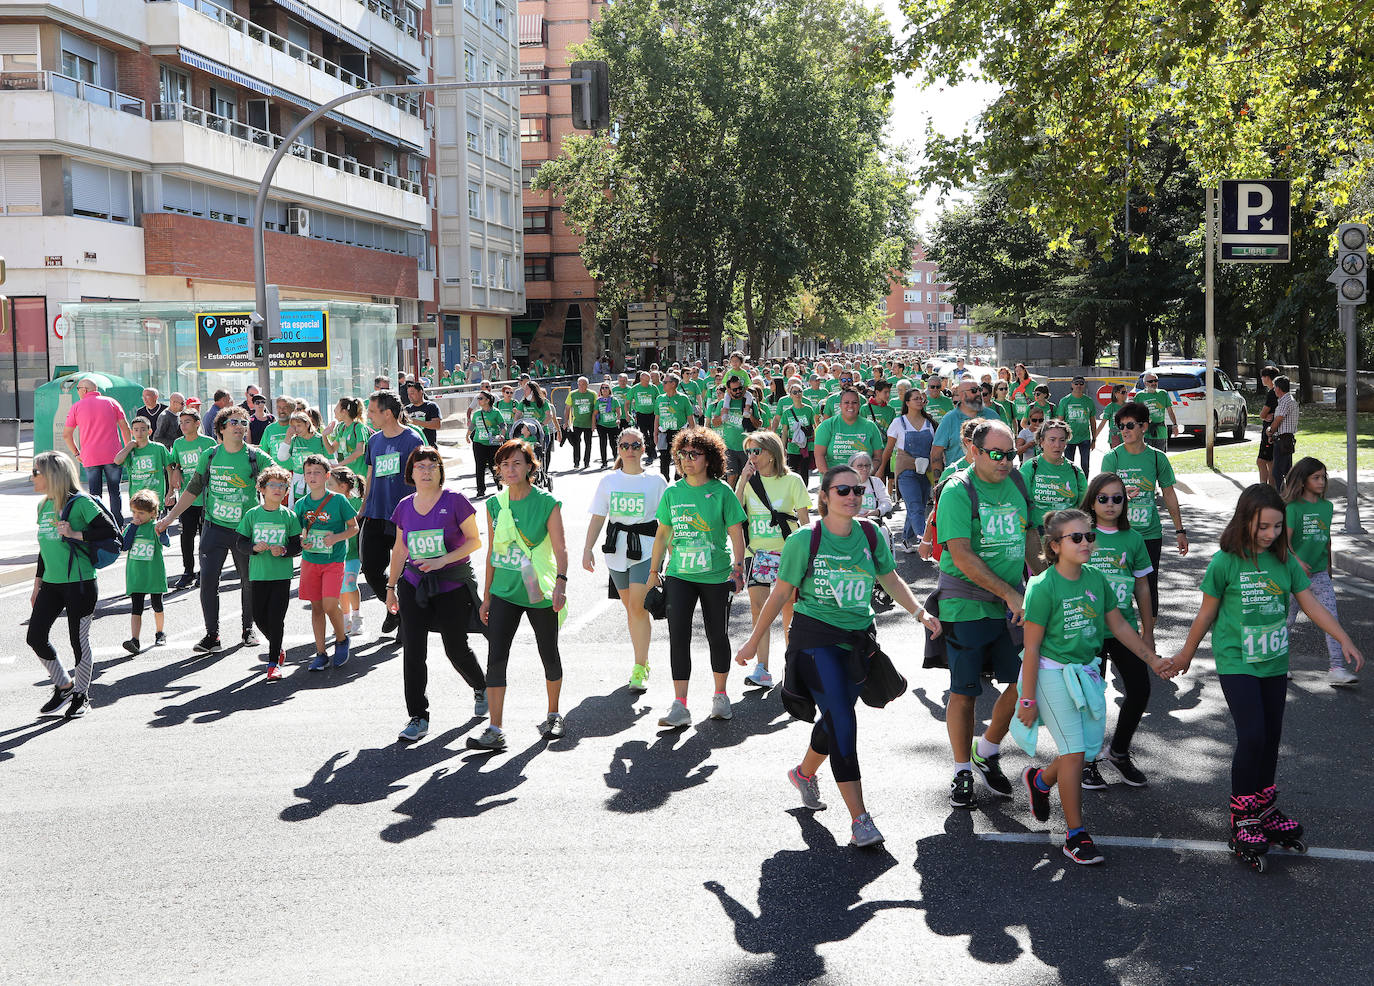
1352,264
591,102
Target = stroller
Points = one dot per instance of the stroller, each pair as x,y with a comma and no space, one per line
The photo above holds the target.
541,437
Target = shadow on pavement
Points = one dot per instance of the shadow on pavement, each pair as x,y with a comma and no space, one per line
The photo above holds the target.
34,730
806,898
600,717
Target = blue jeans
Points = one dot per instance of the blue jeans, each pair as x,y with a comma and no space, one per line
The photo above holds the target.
113,475
915,488
1085,450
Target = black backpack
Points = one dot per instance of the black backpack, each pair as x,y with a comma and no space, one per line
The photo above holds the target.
100,542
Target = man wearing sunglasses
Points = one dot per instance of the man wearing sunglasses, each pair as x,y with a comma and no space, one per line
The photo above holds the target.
735,416
1079,411
1160,405
947,434
937,404
1145,472
980,588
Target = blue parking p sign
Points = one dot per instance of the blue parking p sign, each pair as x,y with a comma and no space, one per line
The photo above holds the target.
1255,221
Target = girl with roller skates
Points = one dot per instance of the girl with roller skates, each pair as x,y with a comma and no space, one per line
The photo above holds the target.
1245,595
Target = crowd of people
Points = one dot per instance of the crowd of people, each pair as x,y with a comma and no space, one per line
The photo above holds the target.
1042,574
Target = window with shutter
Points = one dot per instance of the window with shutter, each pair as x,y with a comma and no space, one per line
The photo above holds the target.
20,190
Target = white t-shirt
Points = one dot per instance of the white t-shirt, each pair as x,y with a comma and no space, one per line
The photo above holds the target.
900,426
627,499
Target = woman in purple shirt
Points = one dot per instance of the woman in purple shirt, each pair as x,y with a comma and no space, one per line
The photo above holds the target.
436,531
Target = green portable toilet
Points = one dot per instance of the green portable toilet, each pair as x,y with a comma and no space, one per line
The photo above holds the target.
53,400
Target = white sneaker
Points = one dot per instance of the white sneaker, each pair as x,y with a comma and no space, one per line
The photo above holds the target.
759,677
720,706
355,624
1339,677
677,717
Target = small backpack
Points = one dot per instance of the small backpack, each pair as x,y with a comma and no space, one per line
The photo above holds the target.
101,542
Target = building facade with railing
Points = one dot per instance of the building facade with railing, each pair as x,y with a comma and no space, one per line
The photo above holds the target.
920,314
133,135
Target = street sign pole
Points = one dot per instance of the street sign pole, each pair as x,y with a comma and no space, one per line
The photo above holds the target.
1210,325
1352,466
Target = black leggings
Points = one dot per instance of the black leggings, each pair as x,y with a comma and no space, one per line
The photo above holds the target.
608,437
485,456
191,519
374,552
800,463
270,601
582,446
645,423
502,622
1154,548
1135,683
1256,706
78,599
448,613
665,463
136,602
683,597
216,544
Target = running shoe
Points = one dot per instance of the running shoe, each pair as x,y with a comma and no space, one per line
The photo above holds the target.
1092,777
132,646
60,697
677,716
759,677
1039,800
319,664
389,625
208,644
639,678
479,702
492,739
187,580
808,788
1081,850
989,771
552,726
355,626
80,704
961,791
340,652
274,672
1130,773
1340,677
160,640
720,706
415,729
250,638
864,832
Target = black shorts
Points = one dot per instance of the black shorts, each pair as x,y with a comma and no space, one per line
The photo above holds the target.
978,647
1266,449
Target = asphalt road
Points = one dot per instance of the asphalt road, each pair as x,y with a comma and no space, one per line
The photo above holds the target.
203,823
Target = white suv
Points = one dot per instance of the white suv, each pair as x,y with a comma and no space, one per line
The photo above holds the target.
1186,383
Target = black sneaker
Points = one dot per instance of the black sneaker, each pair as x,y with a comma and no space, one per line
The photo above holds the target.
208,644
961,791
990,771
1130,773
60,697
80,703
186,581
1092,777
160,640
392,621
1039,800
1081,850
132,646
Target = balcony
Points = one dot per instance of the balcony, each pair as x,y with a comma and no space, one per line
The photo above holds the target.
65,85
52,111
380,25
217,33
185,135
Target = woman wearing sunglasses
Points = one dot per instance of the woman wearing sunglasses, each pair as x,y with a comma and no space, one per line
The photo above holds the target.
627,499
1069,610
1027,439
833,592
486,431
1120,555
610,415
696,516
1053,481
1107,417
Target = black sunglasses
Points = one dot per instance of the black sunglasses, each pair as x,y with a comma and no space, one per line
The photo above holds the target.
1078,537
632,445
1131,425
845,489
1114,498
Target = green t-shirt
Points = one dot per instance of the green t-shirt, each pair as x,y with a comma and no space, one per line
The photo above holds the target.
1159,403
1052,487
1121,558
488,427
840,590
1143,475
787,494
230,490
700,517
274,527
351,552
187,455
880,414
56,553
446,380
348,439
507,409
999,539
1250,635
789,413
532,526
1020,403
146,469
674,413
815,396
938,407
459,375
609,411
331,515
144,570
623,393
301,447
731,411
1310,526
1079,413
1108,414
739,374
276,441
583,404
643,397
841,440
1073,613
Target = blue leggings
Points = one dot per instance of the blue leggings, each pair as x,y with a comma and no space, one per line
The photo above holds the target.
822,670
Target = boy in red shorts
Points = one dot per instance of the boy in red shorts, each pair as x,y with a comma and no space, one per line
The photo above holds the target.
327,521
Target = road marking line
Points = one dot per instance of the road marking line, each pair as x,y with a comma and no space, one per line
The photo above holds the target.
584,619
1185,845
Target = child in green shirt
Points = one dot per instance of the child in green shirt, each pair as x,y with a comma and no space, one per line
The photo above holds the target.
274,534
1307,518
145,573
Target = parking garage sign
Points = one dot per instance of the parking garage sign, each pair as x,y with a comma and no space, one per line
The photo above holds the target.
1255,224
224,341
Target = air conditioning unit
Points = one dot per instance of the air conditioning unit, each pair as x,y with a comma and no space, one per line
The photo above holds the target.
298,220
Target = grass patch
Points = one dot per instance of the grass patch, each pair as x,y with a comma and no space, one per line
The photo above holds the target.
1321,433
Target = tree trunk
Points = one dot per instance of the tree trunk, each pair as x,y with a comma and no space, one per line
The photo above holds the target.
1154,345
1304,359
750,322
617,340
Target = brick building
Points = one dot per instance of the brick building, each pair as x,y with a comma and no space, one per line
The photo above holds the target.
919,312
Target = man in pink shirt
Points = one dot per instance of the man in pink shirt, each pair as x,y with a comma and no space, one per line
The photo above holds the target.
104,432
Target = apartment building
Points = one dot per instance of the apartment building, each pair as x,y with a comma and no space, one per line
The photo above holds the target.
481,274
560,317
133,135
920,314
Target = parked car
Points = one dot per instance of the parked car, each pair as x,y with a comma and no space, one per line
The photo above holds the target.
1187,385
